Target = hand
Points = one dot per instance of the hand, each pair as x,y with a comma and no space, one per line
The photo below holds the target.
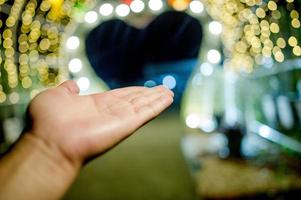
81,127
66,130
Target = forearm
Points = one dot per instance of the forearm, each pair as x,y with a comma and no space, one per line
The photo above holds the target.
36,171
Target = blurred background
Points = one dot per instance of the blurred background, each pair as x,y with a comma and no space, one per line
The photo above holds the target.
234,66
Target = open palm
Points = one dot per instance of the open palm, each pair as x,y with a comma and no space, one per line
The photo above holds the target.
85,126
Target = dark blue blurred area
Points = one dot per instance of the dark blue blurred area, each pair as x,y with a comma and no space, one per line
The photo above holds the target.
174,74
168,48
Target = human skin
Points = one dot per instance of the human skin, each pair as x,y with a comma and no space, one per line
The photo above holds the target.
67,130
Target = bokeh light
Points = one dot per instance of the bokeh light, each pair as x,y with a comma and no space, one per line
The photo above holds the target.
106,9
122,10
91,17
73,42
206,69
150,83
179,5
155,5
207,125
137,6
75,65
215,27
193,120
169,81
83,83
196,6
14,97
214,56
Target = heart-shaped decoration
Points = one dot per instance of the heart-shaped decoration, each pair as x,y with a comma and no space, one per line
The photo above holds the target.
124,55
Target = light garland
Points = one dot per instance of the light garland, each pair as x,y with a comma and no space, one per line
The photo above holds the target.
30,46
257,31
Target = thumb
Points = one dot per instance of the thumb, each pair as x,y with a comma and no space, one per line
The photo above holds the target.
70,86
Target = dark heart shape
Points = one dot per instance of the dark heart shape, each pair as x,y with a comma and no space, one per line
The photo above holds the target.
123,55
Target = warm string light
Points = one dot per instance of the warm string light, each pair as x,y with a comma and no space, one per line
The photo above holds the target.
252,31
30,45
179,5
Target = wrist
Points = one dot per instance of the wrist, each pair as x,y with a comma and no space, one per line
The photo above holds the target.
35,169
49,152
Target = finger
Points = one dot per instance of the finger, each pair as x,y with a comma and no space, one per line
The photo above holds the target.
121,92
109,98
148,92
166,89
143,99
70,86
136,96
162,88
154,108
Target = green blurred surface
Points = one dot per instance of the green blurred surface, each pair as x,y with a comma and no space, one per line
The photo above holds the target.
148,166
